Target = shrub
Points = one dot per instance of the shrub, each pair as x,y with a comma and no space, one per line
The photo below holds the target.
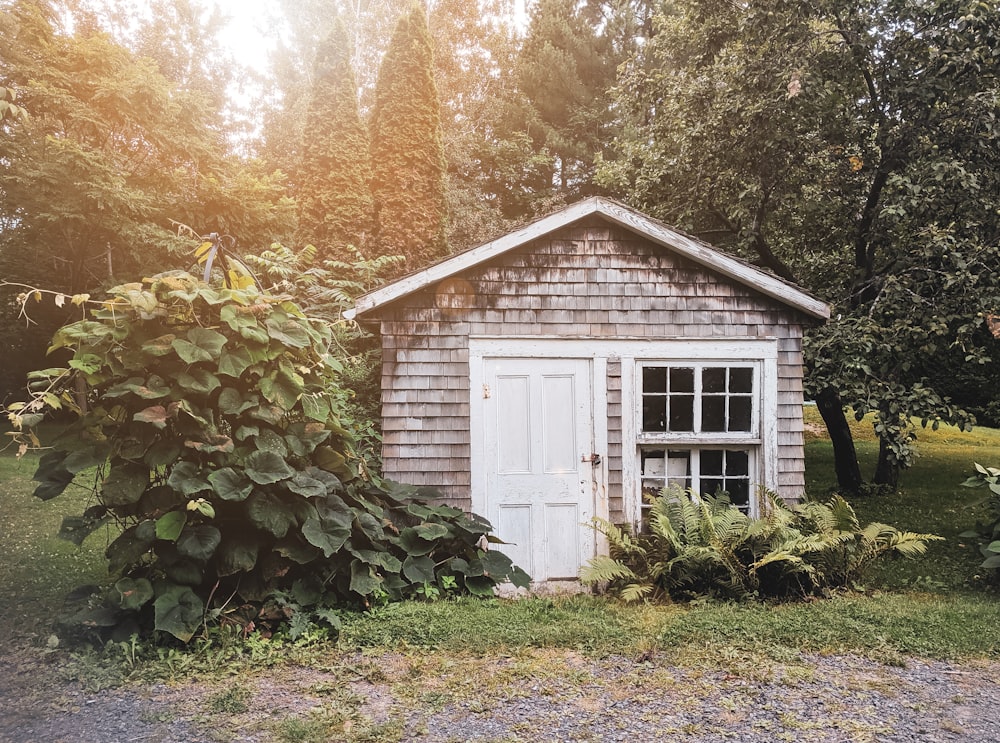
699,545
987,532
215,427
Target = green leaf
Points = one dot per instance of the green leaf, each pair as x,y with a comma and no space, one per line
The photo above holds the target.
198,380
237,554
413,543
432,531
162,453
280,390
76,529
87,363
125,484
130,546
233,402
160,346
364,579
185,478
286,331
331,460
268,513
202,344
307,487
199,542
179,612
418,569
52,474
230,485
233,363
265,467
170,524
303,437
90,456
496,564
316,406
328,534
133,594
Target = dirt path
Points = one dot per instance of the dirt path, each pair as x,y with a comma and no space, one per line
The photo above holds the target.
535,695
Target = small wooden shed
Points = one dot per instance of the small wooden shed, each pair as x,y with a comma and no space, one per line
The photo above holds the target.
568,368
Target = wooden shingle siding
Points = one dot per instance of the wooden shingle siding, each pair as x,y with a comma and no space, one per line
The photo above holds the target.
592,279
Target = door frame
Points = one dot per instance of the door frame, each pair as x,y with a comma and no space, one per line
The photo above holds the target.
482,348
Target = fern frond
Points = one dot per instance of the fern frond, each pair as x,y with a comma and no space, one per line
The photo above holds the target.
603,569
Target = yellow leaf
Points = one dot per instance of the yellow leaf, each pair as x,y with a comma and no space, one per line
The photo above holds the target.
201,252
38,296
79,299
856,163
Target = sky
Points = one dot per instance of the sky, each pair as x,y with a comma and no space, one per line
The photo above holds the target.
250,33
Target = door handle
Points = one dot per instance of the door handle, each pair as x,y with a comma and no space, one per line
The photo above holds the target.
594,459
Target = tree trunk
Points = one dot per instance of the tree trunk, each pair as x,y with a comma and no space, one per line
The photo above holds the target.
886,472
845,457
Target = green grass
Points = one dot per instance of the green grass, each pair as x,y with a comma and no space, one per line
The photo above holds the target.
930,500
933,607
37,569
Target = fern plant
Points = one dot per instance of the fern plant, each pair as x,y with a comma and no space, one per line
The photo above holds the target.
699,545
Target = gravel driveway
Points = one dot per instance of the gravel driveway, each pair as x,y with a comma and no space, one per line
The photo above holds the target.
534,696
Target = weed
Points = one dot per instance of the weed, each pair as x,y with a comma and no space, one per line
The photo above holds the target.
233,700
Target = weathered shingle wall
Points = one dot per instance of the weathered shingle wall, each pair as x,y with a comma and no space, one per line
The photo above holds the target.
588,280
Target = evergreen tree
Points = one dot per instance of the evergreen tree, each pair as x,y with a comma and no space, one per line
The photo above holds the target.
334,202
564,71
408,164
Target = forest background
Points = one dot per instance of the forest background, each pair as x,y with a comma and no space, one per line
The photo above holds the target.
850,146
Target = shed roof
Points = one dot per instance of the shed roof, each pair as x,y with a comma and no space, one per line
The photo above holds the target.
619,214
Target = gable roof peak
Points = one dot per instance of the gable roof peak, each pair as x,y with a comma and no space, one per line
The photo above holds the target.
617,213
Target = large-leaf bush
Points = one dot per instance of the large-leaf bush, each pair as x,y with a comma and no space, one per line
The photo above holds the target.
700,545
987,533
213,423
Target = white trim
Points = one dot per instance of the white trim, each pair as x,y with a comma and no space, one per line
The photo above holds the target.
599,392
621,215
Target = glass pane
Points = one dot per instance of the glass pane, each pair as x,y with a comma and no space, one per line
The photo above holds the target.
737,463
682,380
739,493
740,414
713,413
679,468
711,462
653,464
713,379
654,379
711,485
741,380
654,413
681,413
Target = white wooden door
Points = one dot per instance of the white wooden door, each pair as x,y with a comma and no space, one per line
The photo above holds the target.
539,478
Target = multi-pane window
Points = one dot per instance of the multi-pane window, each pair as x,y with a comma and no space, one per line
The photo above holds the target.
698,428
697,399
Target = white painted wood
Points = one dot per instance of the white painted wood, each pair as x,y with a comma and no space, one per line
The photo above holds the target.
630,219
602,505
538,488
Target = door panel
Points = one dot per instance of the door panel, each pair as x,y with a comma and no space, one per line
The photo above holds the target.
538,428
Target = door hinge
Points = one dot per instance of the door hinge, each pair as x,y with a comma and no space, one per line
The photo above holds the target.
486,392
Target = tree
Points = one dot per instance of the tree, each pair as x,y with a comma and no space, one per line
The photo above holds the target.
564,70
112,155
334,198
852,147
408,165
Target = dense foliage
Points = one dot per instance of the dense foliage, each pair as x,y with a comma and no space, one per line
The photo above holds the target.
852,147
987,533
334,200
408,164
110,153
215,424
702,546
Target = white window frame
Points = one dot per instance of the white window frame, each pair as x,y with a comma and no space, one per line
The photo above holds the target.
761,442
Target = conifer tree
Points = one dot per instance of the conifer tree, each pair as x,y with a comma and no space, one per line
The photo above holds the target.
334,199
408,164
564,71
